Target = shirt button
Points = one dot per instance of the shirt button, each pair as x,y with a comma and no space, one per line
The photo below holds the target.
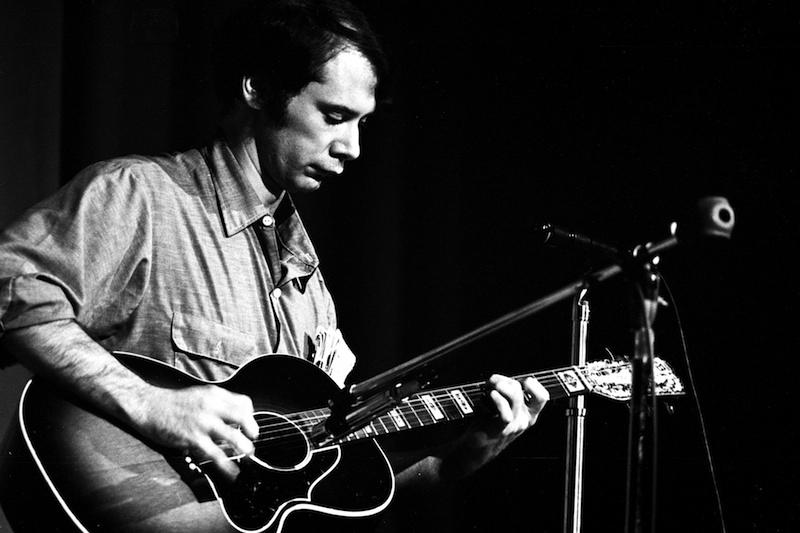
267,221
276,293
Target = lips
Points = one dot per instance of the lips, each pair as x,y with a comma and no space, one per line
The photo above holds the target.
322,173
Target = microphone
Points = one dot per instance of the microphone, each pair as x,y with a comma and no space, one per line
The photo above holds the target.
557,236
712,216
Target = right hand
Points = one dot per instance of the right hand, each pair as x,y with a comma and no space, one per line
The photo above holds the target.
200,420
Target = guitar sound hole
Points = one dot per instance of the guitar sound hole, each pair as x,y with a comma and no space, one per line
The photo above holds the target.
281,444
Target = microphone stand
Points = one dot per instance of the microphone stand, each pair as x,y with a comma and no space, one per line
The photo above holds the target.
641,480
359,404
576,419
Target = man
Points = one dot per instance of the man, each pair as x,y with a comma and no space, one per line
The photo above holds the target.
199,259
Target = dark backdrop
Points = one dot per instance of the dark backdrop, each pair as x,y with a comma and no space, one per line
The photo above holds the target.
607,120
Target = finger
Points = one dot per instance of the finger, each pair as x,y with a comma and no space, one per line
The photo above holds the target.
207,449
503,407
235,438
512,391
536,396
237,410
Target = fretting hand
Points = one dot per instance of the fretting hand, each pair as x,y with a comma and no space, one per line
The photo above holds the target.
516,407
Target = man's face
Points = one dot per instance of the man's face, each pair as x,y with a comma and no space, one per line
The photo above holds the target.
320,131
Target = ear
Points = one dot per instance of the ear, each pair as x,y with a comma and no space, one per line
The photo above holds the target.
250,94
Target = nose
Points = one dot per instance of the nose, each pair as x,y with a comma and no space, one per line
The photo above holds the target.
346,146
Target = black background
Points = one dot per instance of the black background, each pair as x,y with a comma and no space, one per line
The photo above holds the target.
610,121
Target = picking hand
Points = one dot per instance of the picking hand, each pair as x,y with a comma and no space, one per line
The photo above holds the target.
201,420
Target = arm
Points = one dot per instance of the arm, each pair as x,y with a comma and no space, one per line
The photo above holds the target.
196,419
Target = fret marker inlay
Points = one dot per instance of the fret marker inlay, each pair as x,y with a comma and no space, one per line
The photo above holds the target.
571,381
432,407
461,401
398,418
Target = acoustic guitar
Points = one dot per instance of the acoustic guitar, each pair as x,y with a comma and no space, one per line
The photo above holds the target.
100,476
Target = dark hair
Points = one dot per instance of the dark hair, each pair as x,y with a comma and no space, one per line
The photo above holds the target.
283,45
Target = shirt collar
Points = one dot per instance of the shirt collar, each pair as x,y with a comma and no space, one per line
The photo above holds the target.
238,202
240,207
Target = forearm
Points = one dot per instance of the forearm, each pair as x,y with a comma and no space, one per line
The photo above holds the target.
458,460
63,353
198,419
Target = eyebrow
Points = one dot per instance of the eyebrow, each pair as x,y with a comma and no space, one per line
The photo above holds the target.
343,109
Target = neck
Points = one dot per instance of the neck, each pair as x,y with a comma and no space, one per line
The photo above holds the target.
238,127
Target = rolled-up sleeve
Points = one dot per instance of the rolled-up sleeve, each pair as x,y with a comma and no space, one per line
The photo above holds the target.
83,254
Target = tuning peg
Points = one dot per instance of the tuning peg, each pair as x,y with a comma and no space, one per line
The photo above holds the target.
611,354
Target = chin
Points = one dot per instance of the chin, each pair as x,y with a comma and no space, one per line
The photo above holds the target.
305,186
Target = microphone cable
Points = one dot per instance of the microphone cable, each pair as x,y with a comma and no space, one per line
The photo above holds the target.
704,433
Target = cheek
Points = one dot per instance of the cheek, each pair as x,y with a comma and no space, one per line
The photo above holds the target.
304,149
287,152
306,136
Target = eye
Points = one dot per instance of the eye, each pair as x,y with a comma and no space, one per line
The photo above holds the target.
334,118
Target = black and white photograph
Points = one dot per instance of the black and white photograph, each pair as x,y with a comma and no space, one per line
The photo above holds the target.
281,266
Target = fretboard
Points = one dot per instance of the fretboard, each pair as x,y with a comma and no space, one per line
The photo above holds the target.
447,404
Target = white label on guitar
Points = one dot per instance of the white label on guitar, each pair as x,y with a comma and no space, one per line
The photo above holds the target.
571,381
461,402
398,418
432,407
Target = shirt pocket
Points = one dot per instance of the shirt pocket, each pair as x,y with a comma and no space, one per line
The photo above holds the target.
209,349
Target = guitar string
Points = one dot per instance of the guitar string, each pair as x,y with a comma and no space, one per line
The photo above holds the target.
414,403
439,394
306,419
283,429
407,409
303,421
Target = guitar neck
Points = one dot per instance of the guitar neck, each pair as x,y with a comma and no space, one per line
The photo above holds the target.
449,404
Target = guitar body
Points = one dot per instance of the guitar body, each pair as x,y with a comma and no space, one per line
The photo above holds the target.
79,471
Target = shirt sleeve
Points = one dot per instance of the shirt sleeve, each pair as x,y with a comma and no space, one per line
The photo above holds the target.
83,254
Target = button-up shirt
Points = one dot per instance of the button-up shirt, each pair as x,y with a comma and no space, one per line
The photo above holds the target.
173,257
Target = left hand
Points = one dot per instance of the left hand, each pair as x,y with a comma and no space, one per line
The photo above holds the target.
517,406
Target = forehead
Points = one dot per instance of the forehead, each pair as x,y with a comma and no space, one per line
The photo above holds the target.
349,80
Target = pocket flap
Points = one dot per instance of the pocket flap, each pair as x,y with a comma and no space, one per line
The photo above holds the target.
205,338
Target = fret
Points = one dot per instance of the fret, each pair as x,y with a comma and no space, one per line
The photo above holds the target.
420,411
552,383
319,414
462,402
380,421
442,400
397,418
449,405
608,379
433,407
422,417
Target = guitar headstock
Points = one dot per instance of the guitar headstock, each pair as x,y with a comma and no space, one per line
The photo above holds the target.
612,379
